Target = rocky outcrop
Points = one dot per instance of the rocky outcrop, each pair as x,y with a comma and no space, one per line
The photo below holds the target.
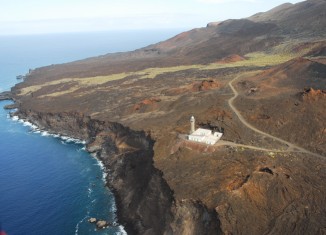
205,85
11,106
197,86
231,59
100,224
6,95
92,220
213,24
193,217
145,104
310,94
145,202
143,197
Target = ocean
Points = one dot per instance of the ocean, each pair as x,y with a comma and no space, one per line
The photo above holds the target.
51,185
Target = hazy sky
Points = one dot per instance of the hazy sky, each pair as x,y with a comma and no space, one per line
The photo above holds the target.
50,16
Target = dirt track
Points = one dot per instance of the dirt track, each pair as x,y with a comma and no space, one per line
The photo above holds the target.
291,147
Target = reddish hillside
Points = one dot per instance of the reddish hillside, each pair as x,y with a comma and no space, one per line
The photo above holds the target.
302,21
294,74
264,177
289,101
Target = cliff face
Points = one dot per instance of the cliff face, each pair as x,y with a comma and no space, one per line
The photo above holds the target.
252,182
145,202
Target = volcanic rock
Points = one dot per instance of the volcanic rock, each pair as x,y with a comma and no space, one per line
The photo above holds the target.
92,220
264,177
311,94
5,95
101,224
231,59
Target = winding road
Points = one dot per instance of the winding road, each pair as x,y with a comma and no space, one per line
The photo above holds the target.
248,125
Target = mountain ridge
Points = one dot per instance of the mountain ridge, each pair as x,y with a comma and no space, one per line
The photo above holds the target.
262,83
240,36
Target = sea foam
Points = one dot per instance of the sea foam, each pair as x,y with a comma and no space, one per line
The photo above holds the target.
35,129
122,231
65,140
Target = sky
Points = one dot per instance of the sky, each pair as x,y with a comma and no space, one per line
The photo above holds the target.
58,16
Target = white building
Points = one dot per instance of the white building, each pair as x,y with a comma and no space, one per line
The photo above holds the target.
203,135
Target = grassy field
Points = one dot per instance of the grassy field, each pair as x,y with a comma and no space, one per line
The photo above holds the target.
253,59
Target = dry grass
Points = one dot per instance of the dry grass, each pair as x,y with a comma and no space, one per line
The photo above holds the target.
78,83
31,89
252,59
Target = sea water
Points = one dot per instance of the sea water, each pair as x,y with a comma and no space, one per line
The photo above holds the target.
49,184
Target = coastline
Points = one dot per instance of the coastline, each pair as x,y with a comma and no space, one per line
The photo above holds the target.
259,79
6,95
145,203
93,150
67,140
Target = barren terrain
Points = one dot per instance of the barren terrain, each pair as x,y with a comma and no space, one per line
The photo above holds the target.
264,87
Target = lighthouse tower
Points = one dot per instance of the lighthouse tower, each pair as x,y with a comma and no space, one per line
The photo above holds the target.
192,125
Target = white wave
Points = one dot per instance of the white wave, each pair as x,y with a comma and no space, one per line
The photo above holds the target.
105,174
72,140
94,155
15,118
45,133
122,230
100,164
29,124
90,190
83,149
64,137
113,205
77,225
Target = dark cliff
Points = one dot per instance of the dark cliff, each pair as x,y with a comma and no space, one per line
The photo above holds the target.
145,202
260,179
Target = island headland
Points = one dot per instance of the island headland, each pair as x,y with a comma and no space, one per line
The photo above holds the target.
259,80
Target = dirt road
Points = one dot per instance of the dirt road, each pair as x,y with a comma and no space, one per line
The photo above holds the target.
291,147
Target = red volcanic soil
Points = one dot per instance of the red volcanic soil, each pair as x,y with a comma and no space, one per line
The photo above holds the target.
147,104
289,102
293,75
194,87
258,184
230,59
205,85
313,95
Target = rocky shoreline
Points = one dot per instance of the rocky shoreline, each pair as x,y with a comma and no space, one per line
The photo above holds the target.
145,202
6,95
245,76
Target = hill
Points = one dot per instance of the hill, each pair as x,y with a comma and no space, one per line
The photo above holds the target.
302,22
259,80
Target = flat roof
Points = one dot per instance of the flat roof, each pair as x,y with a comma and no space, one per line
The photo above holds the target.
205,136
202,132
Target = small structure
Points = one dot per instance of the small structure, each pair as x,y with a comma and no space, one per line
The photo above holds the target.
192,125
203,135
